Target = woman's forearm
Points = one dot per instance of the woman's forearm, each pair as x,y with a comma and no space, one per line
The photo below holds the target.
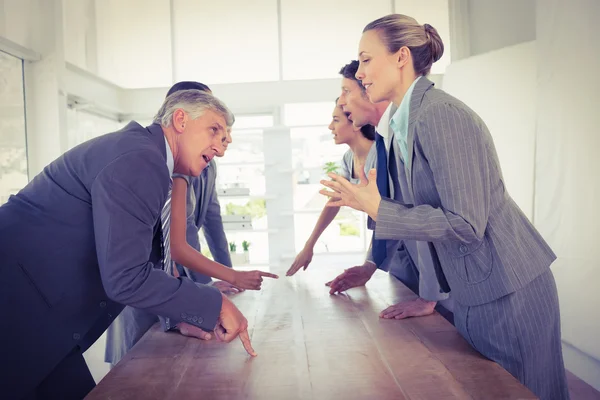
191,258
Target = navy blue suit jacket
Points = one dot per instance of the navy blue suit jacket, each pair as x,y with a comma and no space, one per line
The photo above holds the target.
78,242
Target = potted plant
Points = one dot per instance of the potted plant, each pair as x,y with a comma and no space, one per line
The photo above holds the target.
246,247
236,258
330,167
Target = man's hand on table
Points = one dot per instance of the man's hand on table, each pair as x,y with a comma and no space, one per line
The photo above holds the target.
413,308
193,331
352,277
231,324
227,288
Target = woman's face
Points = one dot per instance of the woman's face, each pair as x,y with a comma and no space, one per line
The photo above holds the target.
341,127
378,70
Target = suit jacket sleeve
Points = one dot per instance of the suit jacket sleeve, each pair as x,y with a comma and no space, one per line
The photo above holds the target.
126,206
214,231
193,225
454,143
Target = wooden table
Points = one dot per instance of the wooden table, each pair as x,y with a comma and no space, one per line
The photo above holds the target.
312,345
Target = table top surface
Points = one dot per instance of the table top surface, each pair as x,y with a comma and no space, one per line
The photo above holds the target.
312,345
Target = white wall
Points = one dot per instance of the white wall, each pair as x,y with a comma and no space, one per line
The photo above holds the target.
434,13
496,24
500,86
567,165
134,47
80,33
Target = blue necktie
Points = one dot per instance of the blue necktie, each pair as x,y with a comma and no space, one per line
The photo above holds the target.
379,248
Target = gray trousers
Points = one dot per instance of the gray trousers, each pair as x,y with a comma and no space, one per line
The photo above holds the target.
125,331
521,332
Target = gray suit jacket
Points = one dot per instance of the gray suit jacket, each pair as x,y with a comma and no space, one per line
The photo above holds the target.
207,215
402,258
487,247
78,242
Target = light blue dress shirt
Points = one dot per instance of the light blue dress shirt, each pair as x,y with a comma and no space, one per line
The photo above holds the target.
399,121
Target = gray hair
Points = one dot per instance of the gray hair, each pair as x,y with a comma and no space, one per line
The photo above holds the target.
194,103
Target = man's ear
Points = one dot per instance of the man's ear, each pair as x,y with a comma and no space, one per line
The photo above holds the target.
179,121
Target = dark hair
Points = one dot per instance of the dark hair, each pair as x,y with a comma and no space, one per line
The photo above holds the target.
423,41
349,70
368,131
187,85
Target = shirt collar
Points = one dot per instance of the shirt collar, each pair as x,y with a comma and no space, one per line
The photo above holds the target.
170,161
399,120
383,125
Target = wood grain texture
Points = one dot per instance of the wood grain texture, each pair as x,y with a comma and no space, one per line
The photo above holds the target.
312,345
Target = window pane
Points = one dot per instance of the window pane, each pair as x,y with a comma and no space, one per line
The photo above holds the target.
134,42
226,41
246,148
312,148
83,126
307,114
436,14
13,145
243,165
253,121
258,252
319,37
250,176
346,233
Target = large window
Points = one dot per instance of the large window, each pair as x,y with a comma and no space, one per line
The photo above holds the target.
13,143
242,191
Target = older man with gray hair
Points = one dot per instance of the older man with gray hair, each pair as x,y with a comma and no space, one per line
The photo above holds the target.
204,211
83,238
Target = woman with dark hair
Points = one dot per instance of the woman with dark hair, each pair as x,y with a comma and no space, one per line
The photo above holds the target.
361,155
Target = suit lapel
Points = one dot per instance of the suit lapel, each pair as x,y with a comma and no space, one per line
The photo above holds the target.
422,86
